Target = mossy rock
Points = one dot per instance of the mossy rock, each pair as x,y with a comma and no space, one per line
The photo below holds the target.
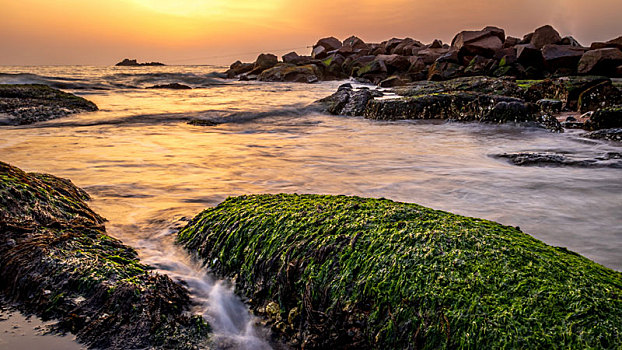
30,103
57,261
350,272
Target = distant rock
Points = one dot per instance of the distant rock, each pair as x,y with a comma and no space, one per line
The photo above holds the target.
600,61
545,35
174,86
30,103
134,63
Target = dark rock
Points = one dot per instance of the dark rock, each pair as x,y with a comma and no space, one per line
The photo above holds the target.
429,55
395,63
444,71
511,42
54,250
240,68
545,35
174,86
606,134
330,43
600,61
294,58
375,66
558,160
570,41
483,42
406,47
347,101
550,106
355,43
614,43
599,96
134,63
566,89
319,52
605,118
285,72
478,66
394,81
510,111
436,44
496,31
450,56
27,104
265,61
529,55
562,57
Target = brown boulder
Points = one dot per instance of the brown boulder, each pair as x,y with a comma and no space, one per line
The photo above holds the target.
329,44
483,42
545,35
498,32
478,66
394,81
294,58
291,73
568,40
600,61
319,52
615,43
265,61
599,96
406,47
391,44
444,71
561,56
395,63
436,44
511,42
238,68
355,43
430,55
529,56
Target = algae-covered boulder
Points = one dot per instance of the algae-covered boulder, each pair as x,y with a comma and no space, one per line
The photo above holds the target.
30,103
57,261
347,272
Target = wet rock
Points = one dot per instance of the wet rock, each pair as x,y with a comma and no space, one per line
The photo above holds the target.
560,160
347,101
545,35
30,103
614,134
444,71
558,57
529,55
605,118
601,61
567,89
510,111
264,61
284,72
173,86
550,106
134,63
599,96
54,251
323,254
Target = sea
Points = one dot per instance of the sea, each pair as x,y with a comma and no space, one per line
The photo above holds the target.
149,171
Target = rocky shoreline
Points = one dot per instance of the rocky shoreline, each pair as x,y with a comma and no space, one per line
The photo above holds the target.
349,272
56,261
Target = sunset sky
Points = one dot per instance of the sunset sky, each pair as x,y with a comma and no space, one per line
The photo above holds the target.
36,32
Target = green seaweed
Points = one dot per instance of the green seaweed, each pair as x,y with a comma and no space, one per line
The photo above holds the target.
373,273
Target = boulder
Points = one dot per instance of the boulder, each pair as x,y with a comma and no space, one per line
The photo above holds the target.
264,61
444,71
173,86
394,81
347,101
329,44
391,44
285,72
479,65
605,118
545,35
483,42
614,43
436,44
614,134
430,55
238,68
134,63
355,43
395,63
599,96
529,55
570,41
294,58
319,52
450,56
510,111
600,61
407,47
550,106
511,42
558,57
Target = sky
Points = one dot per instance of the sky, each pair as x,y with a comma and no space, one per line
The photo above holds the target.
102,32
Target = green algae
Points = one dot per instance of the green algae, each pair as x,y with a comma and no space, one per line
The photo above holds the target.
57,261
336,271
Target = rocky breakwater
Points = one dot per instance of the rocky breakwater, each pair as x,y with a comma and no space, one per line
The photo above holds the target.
541,54
56,261
348,272
134,63
30,103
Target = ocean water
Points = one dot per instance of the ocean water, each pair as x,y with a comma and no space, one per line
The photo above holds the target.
149,171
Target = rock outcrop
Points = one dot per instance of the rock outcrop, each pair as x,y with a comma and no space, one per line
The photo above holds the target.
30,103
350,272
57,261
134,63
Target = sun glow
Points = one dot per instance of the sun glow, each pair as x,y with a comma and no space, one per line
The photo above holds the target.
209,8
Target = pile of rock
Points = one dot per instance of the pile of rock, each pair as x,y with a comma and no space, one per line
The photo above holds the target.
543,53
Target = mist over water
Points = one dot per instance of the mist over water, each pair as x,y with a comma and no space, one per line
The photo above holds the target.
149,171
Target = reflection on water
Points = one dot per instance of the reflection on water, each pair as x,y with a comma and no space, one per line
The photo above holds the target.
145,176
